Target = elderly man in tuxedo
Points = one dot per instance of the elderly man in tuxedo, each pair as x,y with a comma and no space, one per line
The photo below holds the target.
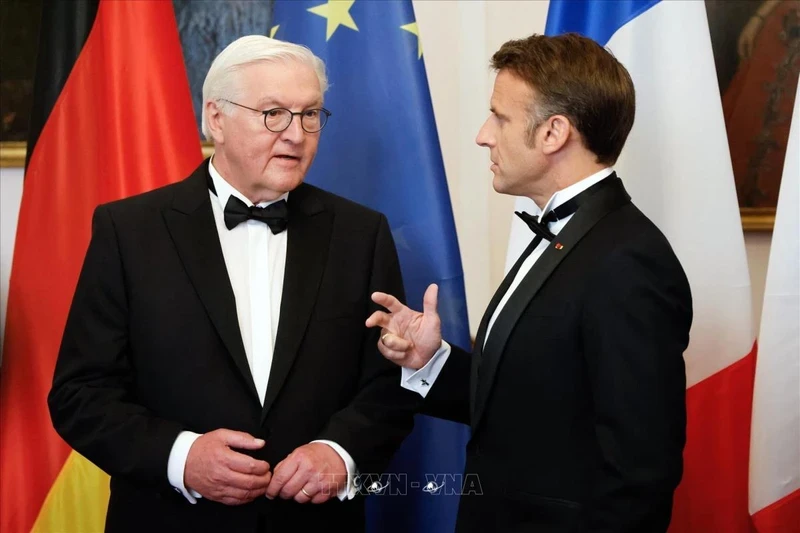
215,361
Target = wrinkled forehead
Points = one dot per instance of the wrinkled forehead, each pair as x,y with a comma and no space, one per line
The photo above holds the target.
281,82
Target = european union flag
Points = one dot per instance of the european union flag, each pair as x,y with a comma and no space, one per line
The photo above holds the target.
381,149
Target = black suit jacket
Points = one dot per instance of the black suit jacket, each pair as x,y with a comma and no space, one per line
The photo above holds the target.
152,347
577,400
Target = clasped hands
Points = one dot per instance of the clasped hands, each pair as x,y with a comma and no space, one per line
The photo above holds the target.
215,469
313,472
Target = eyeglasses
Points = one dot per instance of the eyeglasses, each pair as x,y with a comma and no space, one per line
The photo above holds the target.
278,119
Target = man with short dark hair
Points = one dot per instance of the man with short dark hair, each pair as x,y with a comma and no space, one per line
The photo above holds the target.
575,390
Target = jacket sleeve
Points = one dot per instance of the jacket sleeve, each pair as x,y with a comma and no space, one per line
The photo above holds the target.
635,329
448,397
374,424
90,402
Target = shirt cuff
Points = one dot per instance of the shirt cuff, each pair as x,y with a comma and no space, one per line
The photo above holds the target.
421,381
177,464
349,490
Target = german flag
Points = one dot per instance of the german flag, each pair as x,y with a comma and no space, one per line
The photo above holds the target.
112,118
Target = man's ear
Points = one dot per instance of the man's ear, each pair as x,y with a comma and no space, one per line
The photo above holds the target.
556,133
215,121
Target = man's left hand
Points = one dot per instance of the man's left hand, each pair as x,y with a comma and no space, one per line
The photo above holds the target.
312,473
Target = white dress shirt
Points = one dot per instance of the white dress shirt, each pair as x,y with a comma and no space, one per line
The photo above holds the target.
255,259
421,380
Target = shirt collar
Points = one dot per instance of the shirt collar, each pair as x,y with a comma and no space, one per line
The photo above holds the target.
566,194
225,190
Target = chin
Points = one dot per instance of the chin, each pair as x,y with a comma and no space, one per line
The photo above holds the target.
286,182
499,186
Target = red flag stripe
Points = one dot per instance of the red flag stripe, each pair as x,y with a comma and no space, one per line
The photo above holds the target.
716,457
783,516
122,124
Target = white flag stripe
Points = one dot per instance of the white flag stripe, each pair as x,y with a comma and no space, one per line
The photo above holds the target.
775,433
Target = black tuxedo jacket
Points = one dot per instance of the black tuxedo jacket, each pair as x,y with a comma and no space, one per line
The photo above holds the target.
577,400
152,347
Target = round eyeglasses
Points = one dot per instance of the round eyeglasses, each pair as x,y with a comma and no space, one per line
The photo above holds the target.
278,119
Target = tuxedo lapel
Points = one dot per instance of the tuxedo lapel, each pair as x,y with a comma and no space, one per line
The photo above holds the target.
309,236
481,335
190,222
609,197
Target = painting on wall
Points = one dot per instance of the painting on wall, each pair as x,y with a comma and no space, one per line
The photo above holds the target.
757,54
205,28
19,33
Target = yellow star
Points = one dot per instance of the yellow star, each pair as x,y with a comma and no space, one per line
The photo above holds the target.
413,28
338,14
273,31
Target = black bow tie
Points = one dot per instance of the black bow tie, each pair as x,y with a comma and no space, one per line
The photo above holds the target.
275,215
563,211
539,228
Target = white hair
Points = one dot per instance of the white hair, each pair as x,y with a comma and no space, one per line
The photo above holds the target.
221,82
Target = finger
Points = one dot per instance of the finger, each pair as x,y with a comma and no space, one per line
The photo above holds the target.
236,496
393,355
300,479
282,474
240,439
394,342
236,481
379,318
430,299
245,464
306,493
388,301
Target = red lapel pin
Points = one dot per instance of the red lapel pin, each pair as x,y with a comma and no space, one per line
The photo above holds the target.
559,246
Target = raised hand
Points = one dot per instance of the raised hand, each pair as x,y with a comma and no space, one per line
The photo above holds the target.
408,337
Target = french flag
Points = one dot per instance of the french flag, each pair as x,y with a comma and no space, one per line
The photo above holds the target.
775,439
677,167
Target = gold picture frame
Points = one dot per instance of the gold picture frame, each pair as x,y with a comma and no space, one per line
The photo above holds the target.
12,154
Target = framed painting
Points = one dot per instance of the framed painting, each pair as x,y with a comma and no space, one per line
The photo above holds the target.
757,54
205,28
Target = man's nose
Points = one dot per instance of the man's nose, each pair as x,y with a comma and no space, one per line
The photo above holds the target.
295,132
484,138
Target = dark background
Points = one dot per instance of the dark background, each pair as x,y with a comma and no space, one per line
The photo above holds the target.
205,28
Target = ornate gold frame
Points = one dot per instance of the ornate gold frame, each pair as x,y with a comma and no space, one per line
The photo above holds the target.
12,154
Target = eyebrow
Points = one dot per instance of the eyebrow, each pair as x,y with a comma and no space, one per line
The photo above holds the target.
269,103
494,111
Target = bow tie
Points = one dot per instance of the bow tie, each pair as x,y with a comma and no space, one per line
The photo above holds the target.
539,227
275,215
